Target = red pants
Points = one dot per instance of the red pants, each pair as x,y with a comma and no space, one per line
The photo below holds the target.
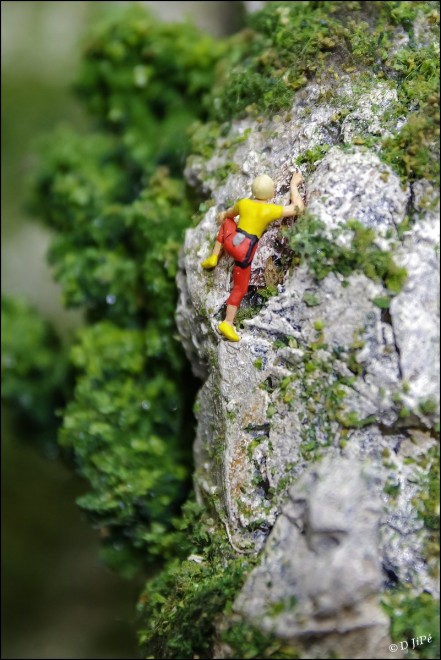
242,254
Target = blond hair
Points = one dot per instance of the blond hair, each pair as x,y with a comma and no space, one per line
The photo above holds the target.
263,187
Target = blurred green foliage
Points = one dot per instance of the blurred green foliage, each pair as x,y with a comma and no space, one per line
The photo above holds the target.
120,216
34,365
145,82
128,428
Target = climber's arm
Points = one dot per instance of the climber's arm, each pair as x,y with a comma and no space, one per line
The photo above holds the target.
229,213
297,206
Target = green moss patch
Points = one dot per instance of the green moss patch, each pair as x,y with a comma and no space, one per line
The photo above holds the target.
182,606
412,617
313,244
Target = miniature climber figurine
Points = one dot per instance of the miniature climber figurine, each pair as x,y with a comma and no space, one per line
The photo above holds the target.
240,241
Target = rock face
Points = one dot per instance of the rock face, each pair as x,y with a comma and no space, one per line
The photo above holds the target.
315,573
327,386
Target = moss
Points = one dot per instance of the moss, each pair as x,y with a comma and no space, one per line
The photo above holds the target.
203,138
428,407
313,244
383,302
310,157
202,210
268,292
271,411
412,152
351,420
253,445
245,641
285,340
411,617
355,366
245,313
288,44
285,605
392,489
317,390
310,299
180,607
352,362
427,504
285,481
225,170
258,364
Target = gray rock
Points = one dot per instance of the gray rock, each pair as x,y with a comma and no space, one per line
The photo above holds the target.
402,479
352,185
323,380
316,577
415,318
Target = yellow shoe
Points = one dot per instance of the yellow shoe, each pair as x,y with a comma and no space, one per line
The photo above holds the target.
228,331
211,262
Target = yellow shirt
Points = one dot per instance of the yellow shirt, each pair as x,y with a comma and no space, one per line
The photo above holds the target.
256,216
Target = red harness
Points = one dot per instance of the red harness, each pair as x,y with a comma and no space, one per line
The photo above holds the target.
242,252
